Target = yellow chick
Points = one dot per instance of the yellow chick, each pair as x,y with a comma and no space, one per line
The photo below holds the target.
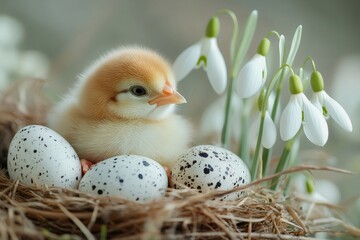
124,104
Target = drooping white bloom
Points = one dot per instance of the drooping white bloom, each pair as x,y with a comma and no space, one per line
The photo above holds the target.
212,120
299,111
323,190
204,53
333,109
269,130
11,32
327,105
252,76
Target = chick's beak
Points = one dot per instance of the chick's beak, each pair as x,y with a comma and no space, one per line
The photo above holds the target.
169,96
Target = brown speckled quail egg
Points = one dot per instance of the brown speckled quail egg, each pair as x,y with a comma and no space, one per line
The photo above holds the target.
207,167
39,155
131,177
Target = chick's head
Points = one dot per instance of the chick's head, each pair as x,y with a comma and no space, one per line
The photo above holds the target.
129,83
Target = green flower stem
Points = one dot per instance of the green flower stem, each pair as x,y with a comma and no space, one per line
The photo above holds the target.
273,33
103,232
235,35
282,163
295,44
225,136
294,152
271,85
312,62
255,163
268,152
236,59
244,152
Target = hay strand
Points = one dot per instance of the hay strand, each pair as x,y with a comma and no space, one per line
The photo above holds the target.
41,213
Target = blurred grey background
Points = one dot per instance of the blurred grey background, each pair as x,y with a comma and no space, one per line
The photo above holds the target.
72,34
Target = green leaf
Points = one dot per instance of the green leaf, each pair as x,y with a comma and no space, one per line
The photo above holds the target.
294,45
235,36
245,41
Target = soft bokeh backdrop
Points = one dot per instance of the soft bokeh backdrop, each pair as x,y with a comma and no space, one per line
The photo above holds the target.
68,35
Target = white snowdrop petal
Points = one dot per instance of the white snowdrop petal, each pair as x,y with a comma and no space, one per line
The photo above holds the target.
212,119
216,68
269,134
250,78
337,112
264,71
316,101
290,121
186,61
315,126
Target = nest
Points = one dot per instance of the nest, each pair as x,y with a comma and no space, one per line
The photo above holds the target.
56,213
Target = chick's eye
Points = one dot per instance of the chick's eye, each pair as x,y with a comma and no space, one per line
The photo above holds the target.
138,91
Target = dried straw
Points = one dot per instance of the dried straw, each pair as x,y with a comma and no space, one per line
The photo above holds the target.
51,213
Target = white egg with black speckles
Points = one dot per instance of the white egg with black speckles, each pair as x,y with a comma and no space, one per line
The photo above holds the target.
207,167
132,177
39,155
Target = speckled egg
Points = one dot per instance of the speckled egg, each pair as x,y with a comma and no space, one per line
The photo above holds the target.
207,167
39,155
131,177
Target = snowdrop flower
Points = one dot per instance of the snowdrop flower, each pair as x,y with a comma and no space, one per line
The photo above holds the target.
320,191
204,53
299,111
11,32
269,129
253,75
328,106
212,120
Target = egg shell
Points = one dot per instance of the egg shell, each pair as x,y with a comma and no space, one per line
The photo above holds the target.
207,167
132,177
39,155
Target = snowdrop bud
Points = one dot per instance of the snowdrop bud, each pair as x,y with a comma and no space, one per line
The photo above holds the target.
309,185
263,47
295,85
317,82
261,99
213,28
